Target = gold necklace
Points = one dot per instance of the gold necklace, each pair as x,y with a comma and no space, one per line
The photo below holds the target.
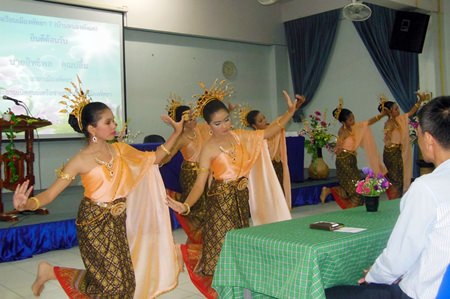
109,165
191,137
230,152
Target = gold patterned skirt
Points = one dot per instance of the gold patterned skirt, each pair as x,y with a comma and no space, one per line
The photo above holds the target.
227,208
192,223
348,174
392,158
102,239
278,166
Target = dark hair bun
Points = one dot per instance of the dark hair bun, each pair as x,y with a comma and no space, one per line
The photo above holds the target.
73,122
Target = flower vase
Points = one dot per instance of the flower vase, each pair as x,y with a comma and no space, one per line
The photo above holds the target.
371,203
318,169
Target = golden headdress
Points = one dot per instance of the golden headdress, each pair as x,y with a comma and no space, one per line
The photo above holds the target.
174,101
78,99
383,101
339,108
219,90
243,111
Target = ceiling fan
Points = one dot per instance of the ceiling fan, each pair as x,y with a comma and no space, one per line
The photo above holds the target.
356,11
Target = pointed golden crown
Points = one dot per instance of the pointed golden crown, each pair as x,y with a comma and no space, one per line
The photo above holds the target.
383,100
174,101
78,99
339,108
219,90
243,111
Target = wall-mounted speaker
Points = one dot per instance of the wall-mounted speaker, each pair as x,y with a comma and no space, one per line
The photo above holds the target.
408,33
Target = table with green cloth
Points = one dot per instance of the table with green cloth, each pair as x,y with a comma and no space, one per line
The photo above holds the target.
289,260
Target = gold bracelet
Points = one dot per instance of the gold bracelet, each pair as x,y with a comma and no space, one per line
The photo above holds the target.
36,201
165,149
417,105
202,169
278,124
377,118
188,209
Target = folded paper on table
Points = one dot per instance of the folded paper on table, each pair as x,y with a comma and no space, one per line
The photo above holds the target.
350,230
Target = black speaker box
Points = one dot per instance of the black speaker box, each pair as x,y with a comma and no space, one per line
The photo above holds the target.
409,31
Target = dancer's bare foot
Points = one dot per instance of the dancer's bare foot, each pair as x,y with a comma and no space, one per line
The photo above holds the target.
324,193
44,274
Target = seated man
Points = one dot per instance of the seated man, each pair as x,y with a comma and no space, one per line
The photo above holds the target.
418,251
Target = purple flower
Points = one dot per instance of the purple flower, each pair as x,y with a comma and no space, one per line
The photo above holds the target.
367,171
380,175
385,184
323,124
317,113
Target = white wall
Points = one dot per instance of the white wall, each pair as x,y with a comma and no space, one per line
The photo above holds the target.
444,49
241,20
158,64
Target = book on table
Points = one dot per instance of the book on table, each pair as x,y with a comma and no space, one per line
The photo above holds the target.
326,225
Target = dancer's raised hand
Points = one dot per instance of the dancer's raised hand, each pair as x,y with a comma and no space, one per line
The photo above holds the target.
21,194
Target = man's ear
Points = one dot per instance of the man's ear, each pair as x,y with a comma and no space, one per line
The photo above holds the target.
429,142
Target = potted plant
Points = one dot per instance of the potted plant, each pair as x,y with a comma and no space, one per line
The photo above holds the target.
317,137
371,187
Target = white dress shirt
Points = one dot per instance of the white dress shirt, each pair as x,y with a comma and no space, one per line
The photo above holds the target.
418,250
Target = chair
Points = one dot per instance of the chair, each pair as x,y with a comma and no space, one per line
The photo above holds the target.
154,139
444,289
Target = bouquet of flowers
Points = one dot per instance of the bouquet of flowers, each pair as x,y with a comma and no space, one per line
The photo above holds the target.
413,123
372,185
316,134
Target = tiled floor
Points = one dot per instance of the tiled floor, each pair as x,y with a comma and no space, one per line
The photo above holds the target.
16,277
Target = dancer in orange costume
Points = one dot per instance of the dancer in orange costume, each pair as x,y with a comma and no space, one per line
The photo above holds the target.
123,225
351,136
397,154
228,157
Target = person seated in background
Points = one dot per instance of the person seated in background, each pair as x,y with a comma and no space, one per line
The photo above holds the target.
418,251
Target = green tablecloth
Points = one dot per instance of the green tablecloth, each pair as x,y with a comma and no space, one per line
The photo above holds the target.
289,260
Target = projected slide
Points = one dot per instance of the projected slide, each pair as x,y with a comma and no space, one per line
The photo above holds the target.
41,55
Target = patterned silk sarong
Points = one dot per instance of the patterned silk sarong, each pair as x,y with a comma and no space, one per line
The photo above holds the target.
392,158
101,232
348,174
192,223
227,208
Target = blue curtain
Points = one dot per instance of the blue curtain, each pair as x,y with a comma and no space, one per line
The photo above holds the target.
399,69
309,43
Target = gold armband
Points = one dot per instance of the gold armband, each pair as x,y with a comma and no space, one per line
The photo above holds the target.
278,124
64,176
165,149
37,203
188,209
201,169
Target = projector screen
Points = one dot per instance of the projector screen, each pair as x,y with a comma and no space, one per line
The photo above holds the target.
44,46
